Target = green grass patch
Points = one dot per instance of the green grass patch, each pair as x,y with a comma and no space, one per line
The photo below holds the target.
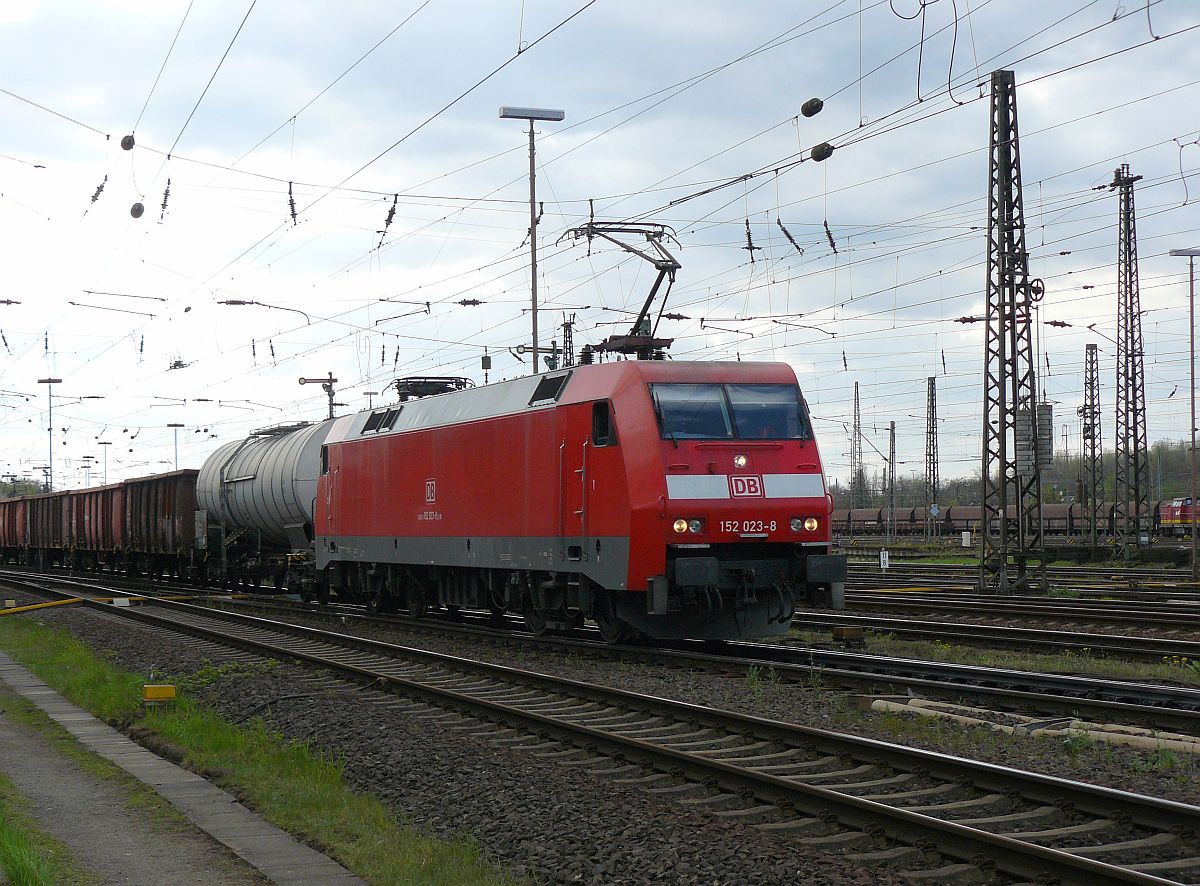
289,783
29,857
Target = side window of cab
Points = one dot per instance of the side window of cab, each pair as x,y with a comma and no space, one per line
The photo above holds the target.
603,431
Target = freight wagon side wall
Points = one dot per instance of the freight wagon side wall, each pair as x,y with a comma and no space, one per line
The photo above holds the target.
14,526
160,513
49,521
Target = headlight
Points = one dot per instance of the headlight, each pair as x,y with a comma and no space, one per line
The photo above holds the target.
797,524
739,461
696,526
681,525
811,524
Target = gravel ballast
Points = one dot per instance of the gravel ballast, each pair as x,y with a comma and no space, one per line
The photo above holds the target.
1166,775
539,820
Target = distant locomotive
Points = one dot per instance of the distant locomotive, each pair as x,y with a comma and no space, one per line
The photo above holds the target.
671,499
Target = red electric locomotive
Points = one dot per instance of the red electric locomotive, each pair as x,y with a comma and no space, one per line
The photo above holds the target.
667,498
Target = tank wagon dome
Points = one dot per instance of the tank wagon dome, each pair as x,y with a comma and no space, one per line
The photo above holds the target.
266,481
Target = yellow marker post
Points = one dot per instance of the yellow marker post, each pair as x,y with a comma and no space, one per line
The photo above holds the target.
157,693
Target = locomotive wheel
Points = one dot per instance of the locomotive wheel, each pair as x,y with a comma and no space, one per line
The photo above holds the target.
612,629
377,595
535,619
418,603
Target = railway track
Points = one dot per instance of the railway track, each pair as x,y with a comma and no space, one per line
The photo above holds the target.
930,814
1170,708
1151,649
1086,581
1173,708
1182,616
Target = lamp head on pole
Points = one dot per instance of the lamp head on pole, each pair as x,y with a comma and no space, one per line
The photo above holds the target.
511,112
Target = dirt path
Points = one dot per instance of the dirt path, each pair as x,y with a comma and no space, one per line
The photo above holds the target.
92,817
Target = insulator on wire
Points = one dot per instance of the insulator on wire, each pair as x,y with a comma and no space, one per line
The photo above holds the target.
271,344
829,234
382,353
812,107
136,210
788,234
291,203
396,359
127,142
845,365
4,339
750,247
820,152
46,343
253,351
99,189
387,222
166,196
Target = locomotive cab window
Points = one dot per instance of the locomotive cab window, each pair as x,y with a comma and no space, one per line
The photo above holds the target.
324,459
731,411
768,412
603,432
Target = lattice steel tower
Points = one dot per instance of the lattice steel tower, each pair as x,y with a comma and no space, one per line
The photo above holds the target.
1013,557
932,484
1132,492
1089,424
858,480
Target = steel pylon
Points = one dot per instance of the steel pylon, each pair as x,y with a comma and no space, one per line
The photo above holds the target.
1092,465
1132,487
1012,558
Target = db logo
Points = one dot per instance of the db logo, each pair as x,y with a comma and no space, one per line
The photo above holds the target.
746,487
431,490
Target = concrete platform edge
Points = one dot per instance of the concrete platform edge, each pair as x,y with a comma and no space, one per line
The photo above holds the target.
282,858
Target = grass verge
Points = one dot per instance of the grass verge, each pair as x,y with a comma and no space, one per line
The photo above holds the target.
288,783
29,857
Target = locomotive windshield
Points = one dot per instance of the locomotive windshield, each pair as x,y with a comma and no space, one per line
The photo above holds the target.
730,412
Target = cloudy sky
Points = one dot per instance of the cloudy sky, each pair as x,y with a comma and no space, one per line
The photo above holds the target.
343,167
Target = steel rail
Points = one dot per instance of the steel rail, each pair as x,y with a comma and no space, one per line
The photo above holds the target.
1144,648
974,845
1161,707
1165,615
1171,708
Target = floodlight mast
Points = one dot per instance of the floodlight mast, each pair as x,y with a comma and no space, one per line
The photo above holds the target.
50,427
510,112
